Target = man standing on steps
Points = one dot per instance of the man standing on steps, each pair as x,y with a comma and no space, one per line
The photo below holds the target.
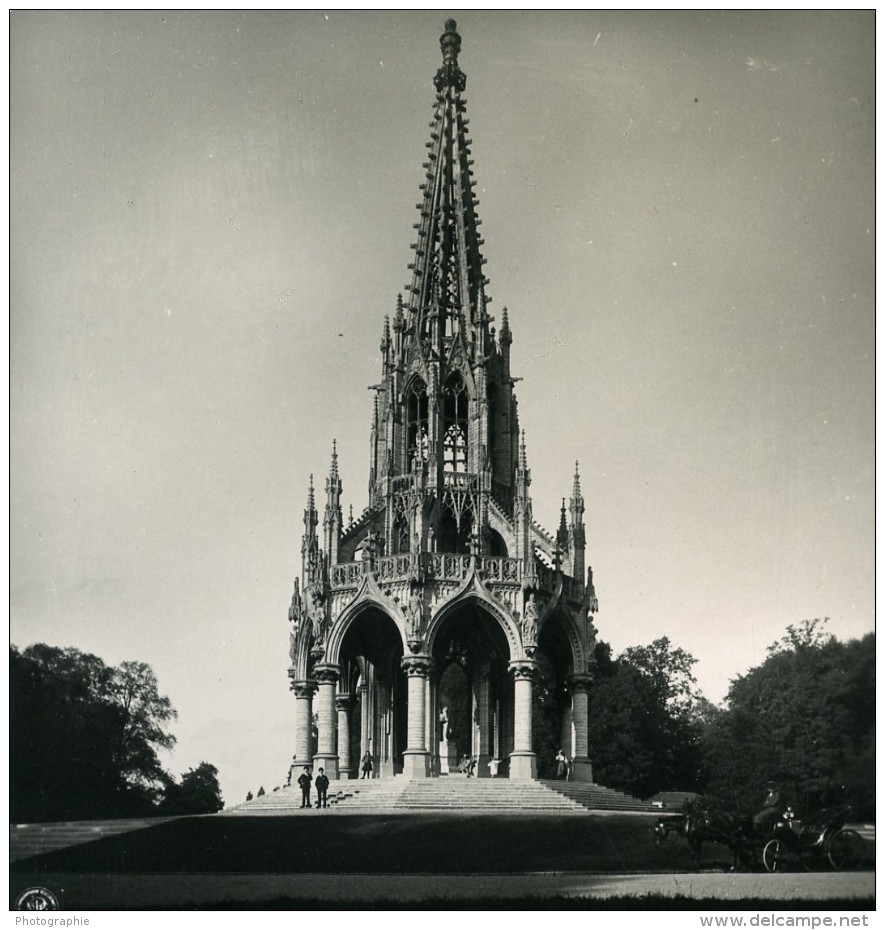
322,786
304,780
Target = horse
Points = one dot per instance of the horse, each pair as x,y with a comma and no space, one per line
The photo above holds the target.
699,827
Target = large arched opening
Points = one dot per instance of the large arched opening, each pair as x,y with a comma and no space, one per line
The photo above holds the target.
472,698
551,702
369,661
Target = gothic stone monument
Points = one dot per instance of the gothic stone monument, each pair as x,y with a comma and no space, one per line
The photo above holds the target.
444,593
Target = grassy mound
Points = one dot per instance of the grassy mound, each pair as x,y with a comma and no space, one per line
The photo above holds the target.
425,843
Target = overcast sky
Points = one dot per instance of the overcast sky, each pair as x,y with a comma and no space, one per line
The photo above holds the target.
211,214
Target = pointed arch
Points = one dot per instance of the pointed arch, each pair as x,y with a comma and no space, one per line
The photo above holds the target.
417,421
472,593
558,635
368,599
456,419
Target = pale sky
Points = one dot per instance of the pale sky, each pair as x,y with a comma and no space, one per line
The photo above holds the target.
211,213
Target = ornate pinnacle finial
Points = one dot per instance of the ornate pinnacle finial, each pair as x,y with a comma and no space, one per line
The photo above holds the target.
333,471
450,75
576,488
310,498
522,459
506,337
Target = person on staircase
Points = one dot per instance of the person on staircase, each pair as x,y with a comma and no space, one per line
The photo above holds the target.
304,780
322,786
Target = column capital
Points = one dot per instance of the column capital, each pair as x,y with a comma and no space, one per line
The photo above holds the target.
326,674
419,666
303,689
579,683
522,670
344,701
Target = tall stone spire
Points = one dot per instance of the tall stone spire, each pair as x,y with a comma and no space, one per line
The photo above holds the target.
332,521
447,297
522,515
576,533
311,562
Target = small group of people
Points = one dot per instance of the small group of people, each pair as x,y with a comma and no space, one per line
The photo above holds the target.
321,782
563,765
467,765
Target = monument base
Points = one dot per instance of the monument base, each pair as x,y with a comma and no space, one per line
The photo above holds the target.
328,763
582,770
448,757
523,766
416,764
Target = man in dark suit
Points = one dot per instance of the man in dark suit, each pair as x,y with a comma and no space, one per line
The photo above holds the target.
322,785
304,780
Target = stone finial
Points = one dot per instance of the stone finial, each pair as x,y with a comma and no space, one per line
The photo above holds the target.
450,75
450,42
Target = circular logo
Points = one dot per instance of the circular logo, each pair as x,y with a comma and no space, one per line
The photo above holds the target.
36,899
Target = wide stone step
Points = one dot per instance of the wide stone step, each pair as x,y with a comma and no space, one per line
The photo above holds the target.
597,797
453,793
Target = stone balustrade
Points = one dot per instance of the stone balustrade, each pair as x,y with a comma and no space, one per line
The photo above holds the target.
441,566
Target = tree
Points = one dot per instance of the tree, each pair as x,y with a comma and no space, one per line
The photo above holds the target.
647,718
85,737
62,764
197,793
669,670
143,715
804,718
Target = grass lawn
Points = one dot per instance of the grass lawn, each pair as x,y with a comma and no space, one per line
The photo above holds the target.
425,843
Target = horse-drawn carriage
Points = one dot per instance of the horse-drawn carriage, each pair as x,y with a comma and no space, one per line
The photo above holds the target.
821,839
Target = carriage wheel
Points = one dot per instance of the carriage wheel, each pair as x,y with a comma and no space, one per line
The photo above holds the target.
845,850
777,857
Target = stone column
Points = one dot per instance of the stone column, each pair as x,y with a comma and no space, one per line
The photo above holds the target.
303,691
579,686
344,705
365,729
327,720
566,743
523,762
482,715
416,758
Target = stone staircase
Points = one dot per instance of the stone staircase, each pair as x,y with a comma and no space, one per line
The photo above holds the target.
596,798
32,839
454,794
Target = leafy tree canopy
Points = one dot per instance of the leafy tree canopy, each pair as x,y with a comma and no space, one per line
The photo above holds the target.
805,719
197,793
85,736
646,718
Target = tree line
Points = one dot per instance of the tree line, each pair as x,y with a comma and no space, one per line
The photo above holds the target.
84,741
804,718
